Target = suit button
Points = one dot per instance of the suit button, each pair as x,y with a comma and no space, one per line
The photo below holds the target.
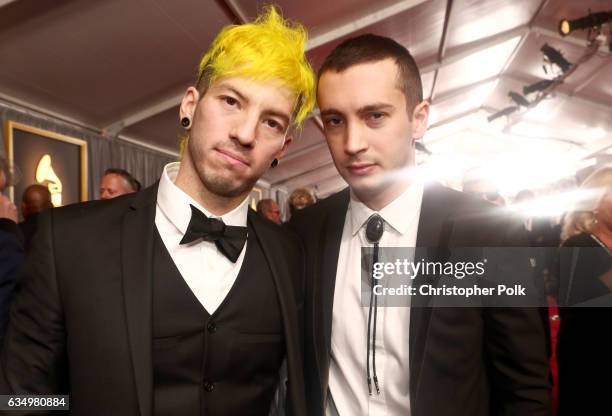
209,387
212,328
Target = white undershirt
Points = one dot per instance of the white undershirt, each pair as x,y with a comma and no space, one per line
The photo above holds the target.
348,389
208,273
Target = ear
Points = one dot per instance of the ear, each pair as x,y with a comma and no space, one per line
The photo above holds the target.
189,103
420,118
286,143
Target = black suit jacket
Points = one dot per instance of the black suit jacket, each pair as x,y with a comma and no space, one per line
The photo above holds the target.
463,361
81,322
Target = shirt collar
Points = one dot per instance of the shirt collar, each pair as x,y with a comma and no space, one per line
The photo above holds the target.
399,213
174,203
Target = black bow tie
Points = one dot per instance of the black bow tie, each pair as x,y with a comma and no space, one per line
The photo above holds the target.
228,239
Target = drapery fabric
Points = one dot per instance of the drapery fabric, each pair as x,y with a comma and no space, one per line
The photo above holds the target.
102,152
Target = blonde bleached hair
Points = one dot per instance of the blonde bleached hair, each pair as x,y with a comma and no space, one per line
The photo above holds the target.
582,217
270,47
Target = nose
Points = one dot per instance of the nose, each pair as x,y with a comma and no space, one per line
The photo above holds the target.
355,141
245,129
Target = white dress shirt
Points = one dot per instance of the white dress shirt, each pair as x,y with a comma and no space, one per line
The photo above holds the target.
208,273
348,389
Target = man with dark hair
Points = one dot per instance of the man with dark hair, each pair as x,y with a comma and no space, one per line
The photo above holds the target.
117,182
36,198
269,209
416,360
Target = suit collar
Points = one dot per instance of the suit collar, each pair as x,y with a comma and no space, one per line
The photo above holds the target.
399,214
137,233
324,283
434,232
283,274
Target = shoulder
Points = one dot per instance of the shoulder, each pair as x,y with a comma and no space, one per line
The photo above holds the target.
580,240
474,220
310,217
280,234
91,212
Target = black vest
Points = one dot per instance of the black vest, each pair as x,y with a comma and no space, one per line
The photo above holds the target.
222,364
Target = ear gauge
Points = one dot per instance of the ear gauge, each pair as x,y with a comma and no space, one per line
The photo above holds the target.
274,163
185,122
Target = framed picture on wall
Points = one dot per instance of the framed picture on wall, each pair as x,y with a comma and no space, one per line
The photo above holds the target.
51,159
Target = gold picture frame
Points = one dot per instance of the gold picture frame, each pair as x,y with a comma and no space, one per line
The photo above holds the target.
255,196
24,143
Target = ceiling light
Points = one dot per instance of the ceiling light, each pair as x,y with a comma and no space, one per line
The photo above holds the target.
590,21
505,112
518,99
554,56
537,86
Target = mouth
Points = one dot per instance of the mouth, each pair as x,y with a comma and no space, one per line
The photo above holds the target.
233,158
361,168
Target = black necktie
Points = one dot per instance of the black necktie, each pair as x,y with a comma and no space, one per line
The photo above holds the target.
228,239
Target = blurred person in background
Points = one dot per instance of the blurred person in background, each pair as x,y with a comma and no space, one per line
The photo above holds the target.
36,198
300,199
585,339
11,248
269,209
117,182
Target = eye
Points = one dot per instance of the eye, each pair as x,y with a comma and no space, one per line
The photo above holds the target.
231,101
275,125
331,122
376,116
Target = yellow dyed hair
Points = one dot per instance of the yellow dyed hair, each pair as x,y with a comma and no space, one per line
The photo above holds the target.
270,47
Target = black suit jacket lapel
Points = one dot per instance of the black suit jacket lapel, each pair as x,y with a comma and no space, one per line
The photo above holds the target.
137,232
435,229
324,285
283,275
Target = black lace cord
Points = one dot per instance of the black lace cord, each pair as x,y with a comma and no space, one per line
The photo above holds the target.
369,324
374,231
374,329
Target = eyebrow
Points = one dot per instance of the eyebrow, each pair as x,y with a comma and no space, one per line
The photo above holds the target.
365,109
375,107
270,112
235,91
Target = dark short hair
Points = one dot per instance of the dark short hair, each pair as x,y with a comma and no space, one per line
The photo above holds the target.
373,48
127,176
264,205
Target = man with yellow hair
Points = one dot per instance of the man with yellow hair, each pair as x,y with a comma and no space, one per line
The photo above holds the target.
185,302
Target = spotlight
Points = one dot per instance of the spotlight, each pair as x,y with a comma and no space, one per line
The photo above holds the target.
590,21
537,86
505,112
556,57
518,99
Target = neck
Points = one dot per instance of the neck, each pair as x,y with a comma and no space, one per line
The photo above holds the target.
604,234
217,205
383,196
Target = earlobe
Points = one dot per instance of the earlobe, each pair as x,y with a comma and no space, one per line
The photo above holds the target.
420,118
286,143
188,105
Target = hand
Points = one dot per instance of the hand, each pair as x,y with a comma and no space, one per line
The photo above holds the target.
7,209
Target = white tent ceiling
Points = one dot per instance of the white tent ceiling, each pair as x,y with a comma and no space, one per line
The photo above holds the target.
121,66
